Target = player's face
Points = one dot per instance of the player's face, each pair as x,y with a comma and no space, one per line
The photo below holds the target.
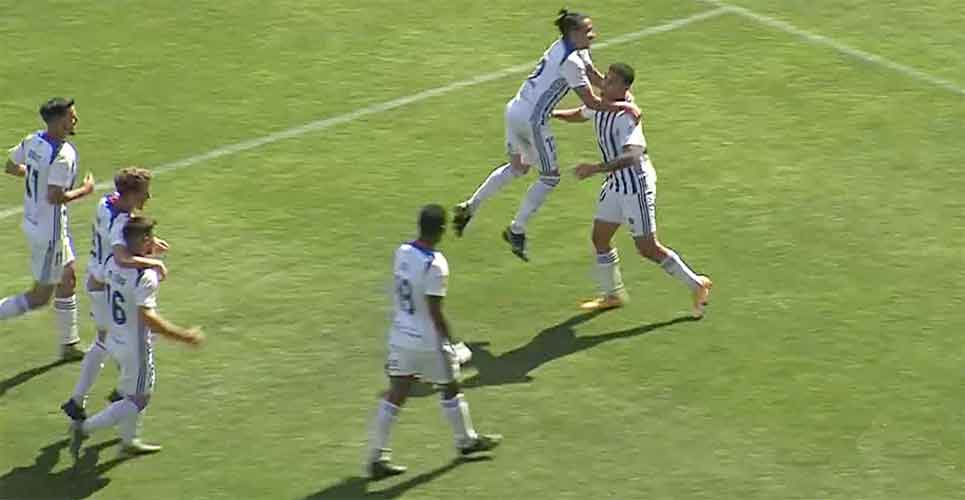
70,121
614,88
583,36
142,197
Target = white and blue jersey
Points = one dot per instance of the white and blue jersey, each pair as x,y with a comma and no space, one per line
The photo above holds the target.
614,131
108,224
561,68
49,162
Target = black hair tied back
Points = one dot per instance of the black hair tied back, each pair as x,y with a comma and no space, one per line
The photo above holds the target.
567,21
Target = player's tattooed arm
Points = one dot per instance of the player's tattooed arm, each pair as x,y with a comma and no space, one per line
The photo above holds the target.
15,169
574,115
164,327
125,258
594,102
438,319
631,157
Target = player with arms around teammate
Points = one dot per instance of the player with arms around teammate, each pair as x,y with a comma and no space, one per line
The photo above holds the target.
133,190
565,65
420,346
48,164
132,297
628,196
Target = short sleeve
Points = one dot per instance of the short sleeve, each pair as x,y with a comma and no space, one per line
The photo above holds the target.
117,230
60,174
437,278
631,132
574,71
18,153
145,294
587,113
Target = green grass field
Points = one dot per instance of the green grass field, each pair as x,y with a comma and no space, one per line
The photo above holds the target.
822,192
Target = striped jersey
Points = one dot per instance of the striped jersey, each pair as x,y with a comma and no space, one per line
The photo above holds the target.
614,131
561,68
107,229
49,162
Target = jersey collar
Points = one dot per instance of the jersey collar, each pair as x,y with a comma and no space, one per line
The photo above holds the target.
568,48
428,252
55,145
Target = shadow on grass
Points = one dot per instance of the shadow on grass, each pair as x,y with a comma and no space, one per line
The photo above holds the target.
39,480
358,487
26,375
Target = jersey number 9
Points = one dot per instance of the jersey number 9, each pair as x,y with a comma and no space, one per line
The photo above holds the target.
403,289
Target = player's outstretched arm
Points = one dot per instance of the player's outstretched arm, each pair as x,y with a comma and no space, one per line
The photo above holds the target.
630,157
594,75
15,169
594,102
160,325
56,195
438,319
125,258
574,115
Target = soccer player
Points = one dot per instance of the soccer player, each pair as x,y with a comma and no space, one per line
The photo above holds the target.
628,196
132,297
565,65
420,346
48,164
132,186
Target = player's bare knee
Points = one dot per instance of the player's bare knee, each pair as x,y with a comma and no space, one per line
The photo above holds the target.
519,168
140,400
650,248
39,296
68,283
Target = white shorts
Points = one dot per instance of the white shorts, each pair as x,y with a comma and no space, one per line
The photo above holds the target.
99,309
637,211
532,140
136,362
48,260
437,367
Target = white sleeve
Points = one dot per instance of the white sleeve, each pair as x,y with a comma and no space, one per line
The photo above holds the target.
60,173
145,294
587,113
18,153
117,231
437,279
631,132
574,71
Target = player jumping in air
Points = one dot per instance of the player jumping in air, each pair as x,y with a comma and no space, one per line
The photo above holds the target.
628,196
565,65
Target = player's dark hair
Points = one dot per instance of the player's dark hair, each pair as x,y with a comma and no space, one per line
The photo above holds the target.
137,228
132,179
55,108
624,71
432,222
568,21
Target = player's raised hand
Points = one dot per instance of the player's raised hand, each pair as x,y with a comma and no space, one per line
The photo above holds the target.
88,183
160,246
194,336
584,170
630,109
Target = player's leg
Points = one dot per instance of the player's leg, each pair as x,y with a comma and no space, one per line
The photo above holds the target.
442,368
129,427
130,381
93,361
400,368
41,262
65,304
607,270
643,226
549,177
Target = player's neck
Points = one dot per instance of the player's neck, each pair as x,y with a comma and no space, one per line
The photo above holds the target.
424,244
124,205
54,135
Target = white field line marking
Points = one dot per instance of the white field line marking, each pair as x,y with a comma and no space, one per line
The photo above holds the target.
326,123
859,54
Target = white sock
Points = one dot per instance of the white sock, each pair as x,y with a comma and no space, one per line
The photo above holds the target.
90,368
11,307
381,428
129,427
66,311
110,416
608,272
534,199
676,267
456,411
497,180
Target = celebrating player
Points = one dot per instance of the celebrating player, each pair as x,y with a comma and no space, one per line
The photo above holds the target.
48,164
113,211
132,298
565,65
420,346
628,196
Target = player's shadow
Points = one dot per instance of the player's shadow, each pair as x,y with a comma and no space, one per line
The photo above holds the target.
26,375
39,480
557,341
357,487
